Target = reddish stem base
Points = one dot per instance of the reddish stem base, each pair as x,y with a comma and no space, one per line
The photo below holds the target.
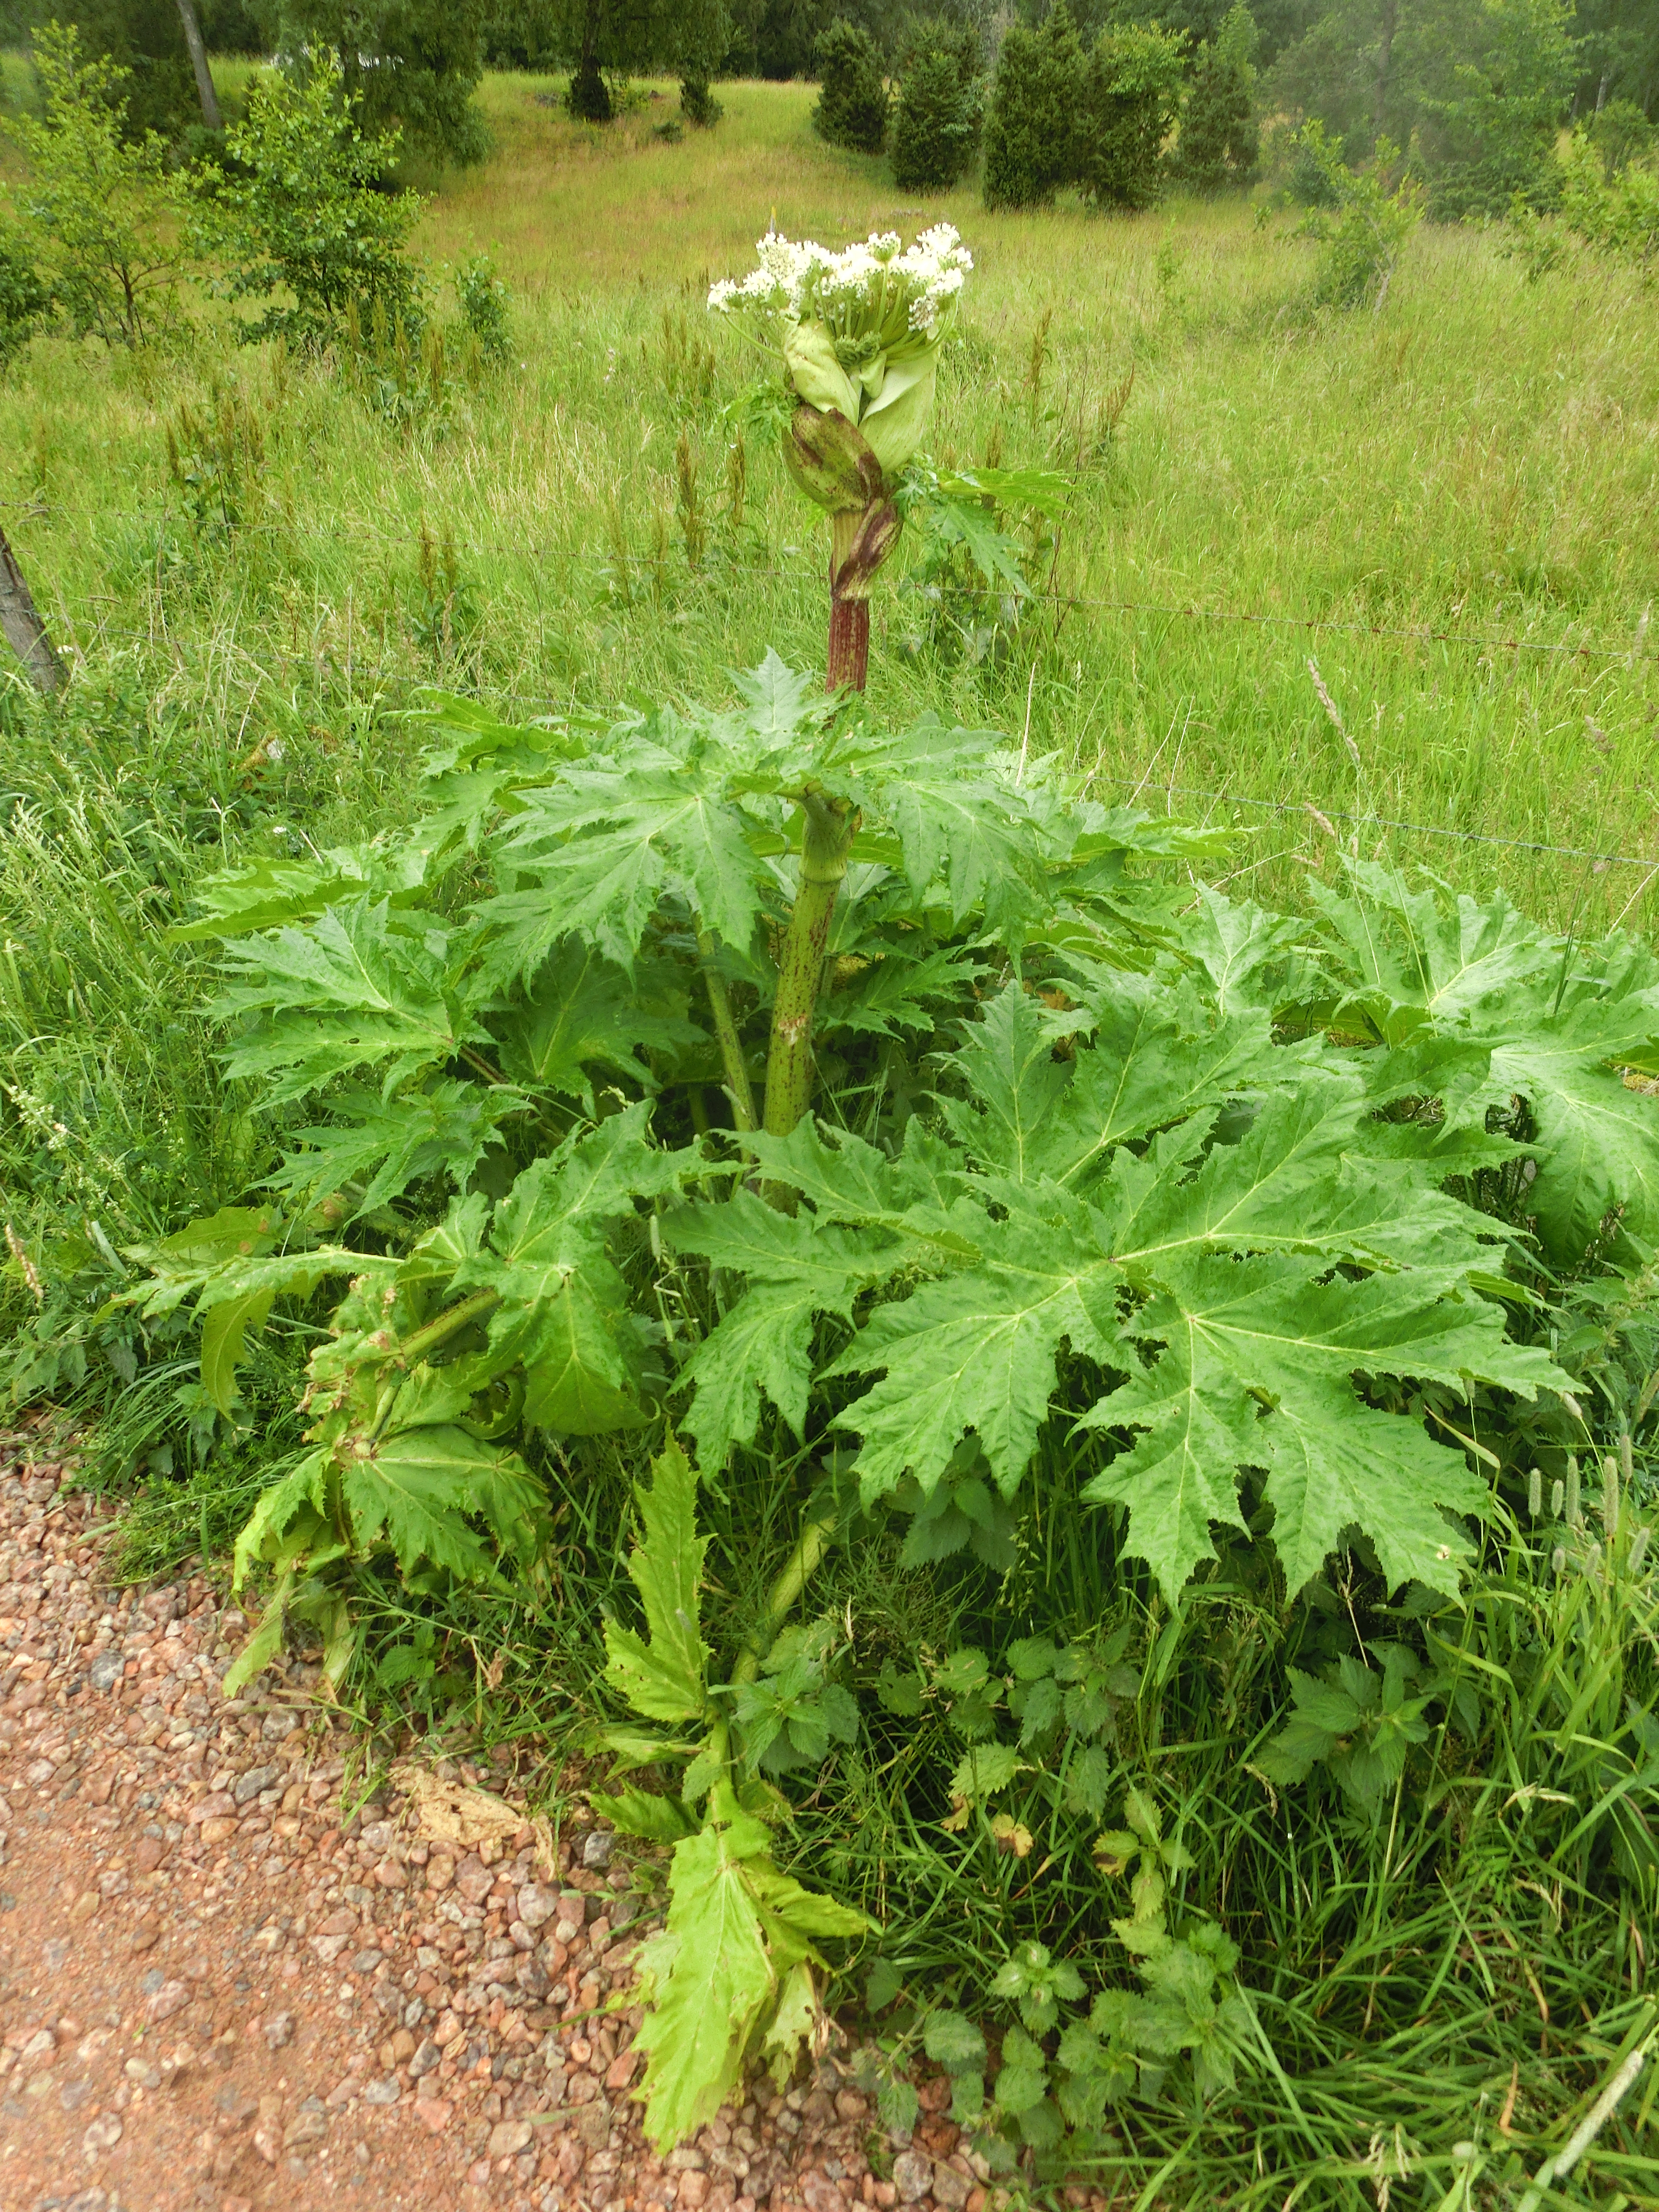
849,644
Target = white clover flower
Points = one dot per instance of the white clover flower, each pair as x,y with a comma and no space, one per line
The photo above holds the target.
860,330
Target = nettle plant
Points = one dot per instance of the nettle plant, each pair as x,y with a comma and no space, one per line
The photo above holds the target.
783,1089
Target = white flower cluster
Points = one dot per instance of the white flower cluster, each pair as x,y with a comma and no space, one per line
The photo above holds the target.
868,291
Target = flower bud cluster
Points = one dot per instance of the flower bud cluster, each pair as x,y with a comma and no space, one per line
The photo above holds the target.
870,291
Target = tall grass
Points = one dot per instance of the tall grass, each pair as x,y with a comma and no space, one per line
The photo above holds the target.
1478,458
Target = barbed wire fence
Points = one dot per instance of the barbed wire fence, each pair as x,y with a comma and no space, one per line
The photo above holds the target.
1633,654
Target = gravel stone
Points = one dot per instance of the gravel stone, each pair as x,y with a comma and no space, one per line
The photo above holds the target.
913,2176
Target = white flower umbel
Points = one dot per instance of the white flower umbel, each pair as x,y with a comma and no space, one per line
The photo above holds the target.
859,330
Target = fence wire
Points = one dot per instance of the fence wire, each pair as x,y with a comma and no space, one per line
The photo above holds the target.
1631,654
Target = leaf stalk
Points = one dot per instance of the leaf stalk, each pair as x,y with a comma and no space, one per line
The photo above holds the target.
726,1035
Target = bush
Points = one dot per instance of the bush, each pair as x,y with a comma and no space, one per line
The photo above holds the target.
26,300
310,213
852,106
1131,90
1622,134
1359,252
936,115
1619,212
482,300
698,104
1031,129
1220,143
100,208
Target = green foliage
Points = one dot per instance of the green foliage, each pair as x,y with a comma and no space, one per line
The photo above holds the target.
303,220
1033,123
1616,212
698,104
100,207
971,586
1622,134
730,1980
144,39
1220,142
26,299
936,116
483,301
1360,249
409,68
1476,91
1097,117
1130,95
1502,110
852,104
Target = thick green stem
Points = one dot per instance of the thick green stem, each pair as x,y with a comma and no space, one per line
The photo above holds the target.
726,1035
449,1324
825,846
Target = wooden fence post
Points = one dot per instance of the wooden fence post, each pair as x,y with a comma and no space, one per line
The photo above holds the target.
25,631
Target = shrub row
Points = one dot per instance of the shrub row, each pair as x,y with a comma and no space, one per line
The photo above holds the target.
1060,112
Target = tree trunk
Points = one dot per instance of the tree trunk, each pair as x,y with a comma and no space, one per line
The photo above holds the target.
1384,65
198,62
25,631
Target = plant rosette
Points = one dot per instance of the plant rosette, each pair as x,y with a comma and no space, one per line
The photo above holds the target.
858,333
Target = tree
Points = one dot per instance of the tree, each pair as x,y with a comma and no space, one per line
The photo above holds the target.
99,205
145,38
306,211
1032,126
701,33
1220,142
936,118
1618,55
852,107
1507,100
409,66
198,62
1131,93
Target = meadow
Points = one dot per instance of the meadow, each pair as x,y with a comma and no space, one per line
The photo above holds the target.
1448,504
256,561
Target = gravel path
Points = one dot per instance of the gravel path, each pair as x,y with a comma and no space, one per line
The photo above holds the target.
217,1993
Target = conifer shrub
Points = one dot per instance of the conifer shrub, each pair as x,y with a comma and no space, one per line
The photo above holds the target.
936,116
1220,142
698,104
1130,95
852,104
1031,129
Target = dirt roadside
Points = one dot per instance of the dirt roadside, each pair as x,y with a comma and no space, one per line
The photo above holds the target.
216,1993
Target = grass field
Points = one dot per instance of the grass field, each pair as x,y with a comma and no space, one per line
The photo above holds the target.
1481,457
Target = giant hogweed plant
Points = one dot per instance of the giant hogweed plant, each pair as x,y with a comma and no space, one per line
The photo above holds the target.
1232,1204
1101,1155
